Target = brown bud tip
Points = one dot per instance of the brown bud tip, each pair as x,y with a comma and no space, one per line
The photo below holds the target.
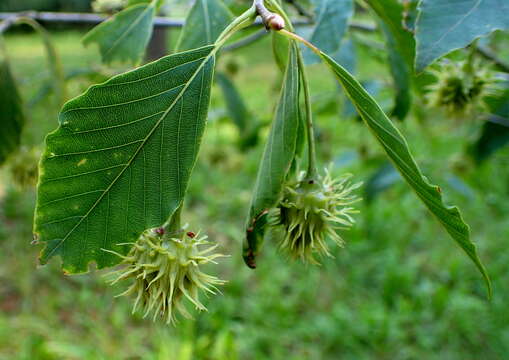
191,234
160,231
275,22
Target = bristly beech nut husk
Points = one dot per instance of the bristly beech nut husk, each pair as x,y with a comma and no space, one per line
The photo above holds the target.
165,270
312,211
461,86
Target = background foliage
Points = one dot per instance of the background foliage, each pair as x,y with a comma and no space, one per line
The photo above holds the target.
399,290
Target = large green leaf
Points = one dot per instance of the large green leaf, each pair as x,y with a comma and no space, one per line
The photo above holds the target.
443,26
332,18
121,159
276,161
205,22
124,36
397,149
11,114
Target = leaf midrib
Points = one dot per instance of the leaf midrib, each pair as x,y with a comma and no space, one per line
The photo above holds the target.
130,28
451,29
128,164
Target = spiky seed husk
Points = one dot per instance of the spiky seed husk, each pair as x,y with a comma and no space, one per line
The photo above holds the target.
461,86
312,211
166,270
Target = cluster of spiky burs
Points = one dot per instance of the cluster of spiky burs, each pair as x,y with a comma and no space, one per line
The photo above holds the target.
165,270
461,86
313,210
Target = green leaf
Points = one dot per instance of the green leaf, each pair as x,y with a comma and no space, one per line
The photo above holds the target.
397,149
234,104
410,14
11,115
383,178
391,13
280,47
205,22
246,123
124,36
332,18
276,161
400,52
443,26
494,136
402,75
121,159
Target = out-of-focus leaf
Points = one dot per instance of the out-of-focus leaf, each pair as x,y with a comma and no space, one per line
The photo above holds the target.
410,14
402,75
495,131
443,26
398,151
205,22
391,13
276,161
124,36
347,55
332,18
55,65
246,123
458,185
494,136
93,76
11,114
121,159
400,46
234,102
381,180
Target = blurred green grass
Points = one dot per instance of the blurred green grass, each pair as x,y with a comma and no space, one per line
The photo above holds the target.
400,289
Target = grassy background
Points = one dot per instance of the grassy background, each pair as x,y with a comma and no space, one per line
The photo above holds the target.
400,289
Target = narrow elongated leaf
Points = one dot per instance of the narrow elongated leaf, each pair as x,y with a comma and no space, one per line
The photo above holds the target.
234,103
121,159
391,13
332,18
397,149
400,46
124,36
443,26
402,75
205,22
11,113
276,161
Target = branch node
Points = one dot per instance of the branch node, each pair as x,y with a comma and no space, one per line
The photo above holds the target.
270,20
